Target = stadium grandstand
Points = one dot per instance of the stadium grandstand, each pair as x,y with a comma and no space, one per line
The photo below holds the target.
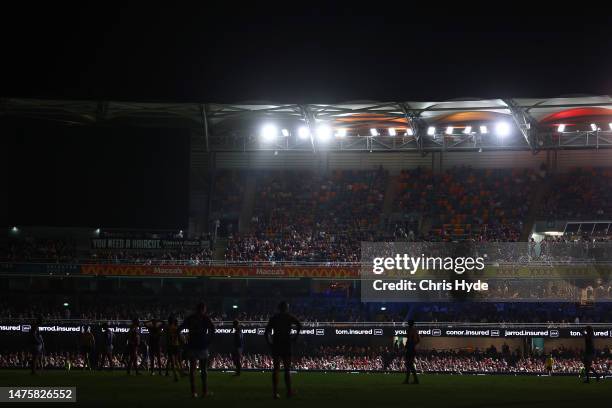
282,198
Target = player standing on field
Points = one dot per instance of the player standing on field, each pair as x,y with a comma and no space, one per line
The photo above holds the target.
412,340
133,344
38,347
278,335
88,346
589,354
173,342
107,350
201,331
237,346
155,332
549,364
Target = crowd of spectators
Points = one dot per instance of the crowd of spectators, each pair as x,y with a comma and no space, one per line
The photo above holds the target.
65,251
306,216
581,194
321,247
355,358
485,205
303,216
228,192
187,256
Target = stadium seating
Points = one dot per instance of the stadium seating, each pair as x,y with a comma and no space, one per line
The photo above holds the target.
227,196
302,216
581,194
464,203
354,358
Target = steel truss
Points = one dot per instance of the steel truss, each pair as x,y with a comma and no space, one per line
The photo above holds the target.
235,127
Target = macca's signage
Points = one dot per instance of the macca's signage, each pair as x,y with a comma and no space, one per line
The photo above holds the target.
221,271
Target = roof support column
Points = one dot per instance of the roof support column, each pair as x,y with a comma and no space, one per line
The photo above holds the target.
310,123
204,125
526,124
413,118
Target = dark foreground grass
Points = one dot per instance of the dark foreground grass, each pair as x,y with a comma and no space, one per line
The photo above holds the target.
320,390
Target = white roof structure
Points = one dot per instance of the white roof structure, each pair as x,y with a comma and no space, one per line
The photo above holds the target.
515,124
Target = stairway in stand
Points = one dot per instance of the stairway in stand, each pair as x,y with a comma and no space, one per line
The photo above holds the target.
541,191
248,203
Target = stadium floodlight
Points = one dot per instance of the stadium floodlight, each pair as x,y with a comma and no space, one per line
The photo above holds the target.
304,132
502,129
234,306
392,132
409,132
593,127
97,231
431,130
383,308
449,130
483,130
561,128
285,132
341,132
269,132
66,304
374,132
467,130
15,229
323,132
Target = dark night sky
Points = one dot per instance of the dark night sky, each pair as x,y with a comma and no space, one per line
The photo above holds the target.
323,56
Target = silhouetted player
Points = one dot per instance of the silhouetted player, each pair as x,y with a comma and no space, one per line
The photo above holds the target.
201,332
155,332
88,346
133,344
549,364
107,347
589,354
278,335
412,339
237,346
38,347
173,342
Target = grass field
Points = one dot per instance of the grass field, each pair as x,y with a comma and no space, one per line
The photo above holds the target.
320,390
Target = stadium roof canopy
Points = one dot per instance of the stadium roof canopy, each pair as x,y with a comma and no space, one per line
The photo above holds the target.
517,124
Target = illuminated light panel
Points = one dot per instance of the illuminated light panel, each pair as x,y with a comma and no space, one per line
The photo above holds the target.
269,132
303,132
323,132
502,129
